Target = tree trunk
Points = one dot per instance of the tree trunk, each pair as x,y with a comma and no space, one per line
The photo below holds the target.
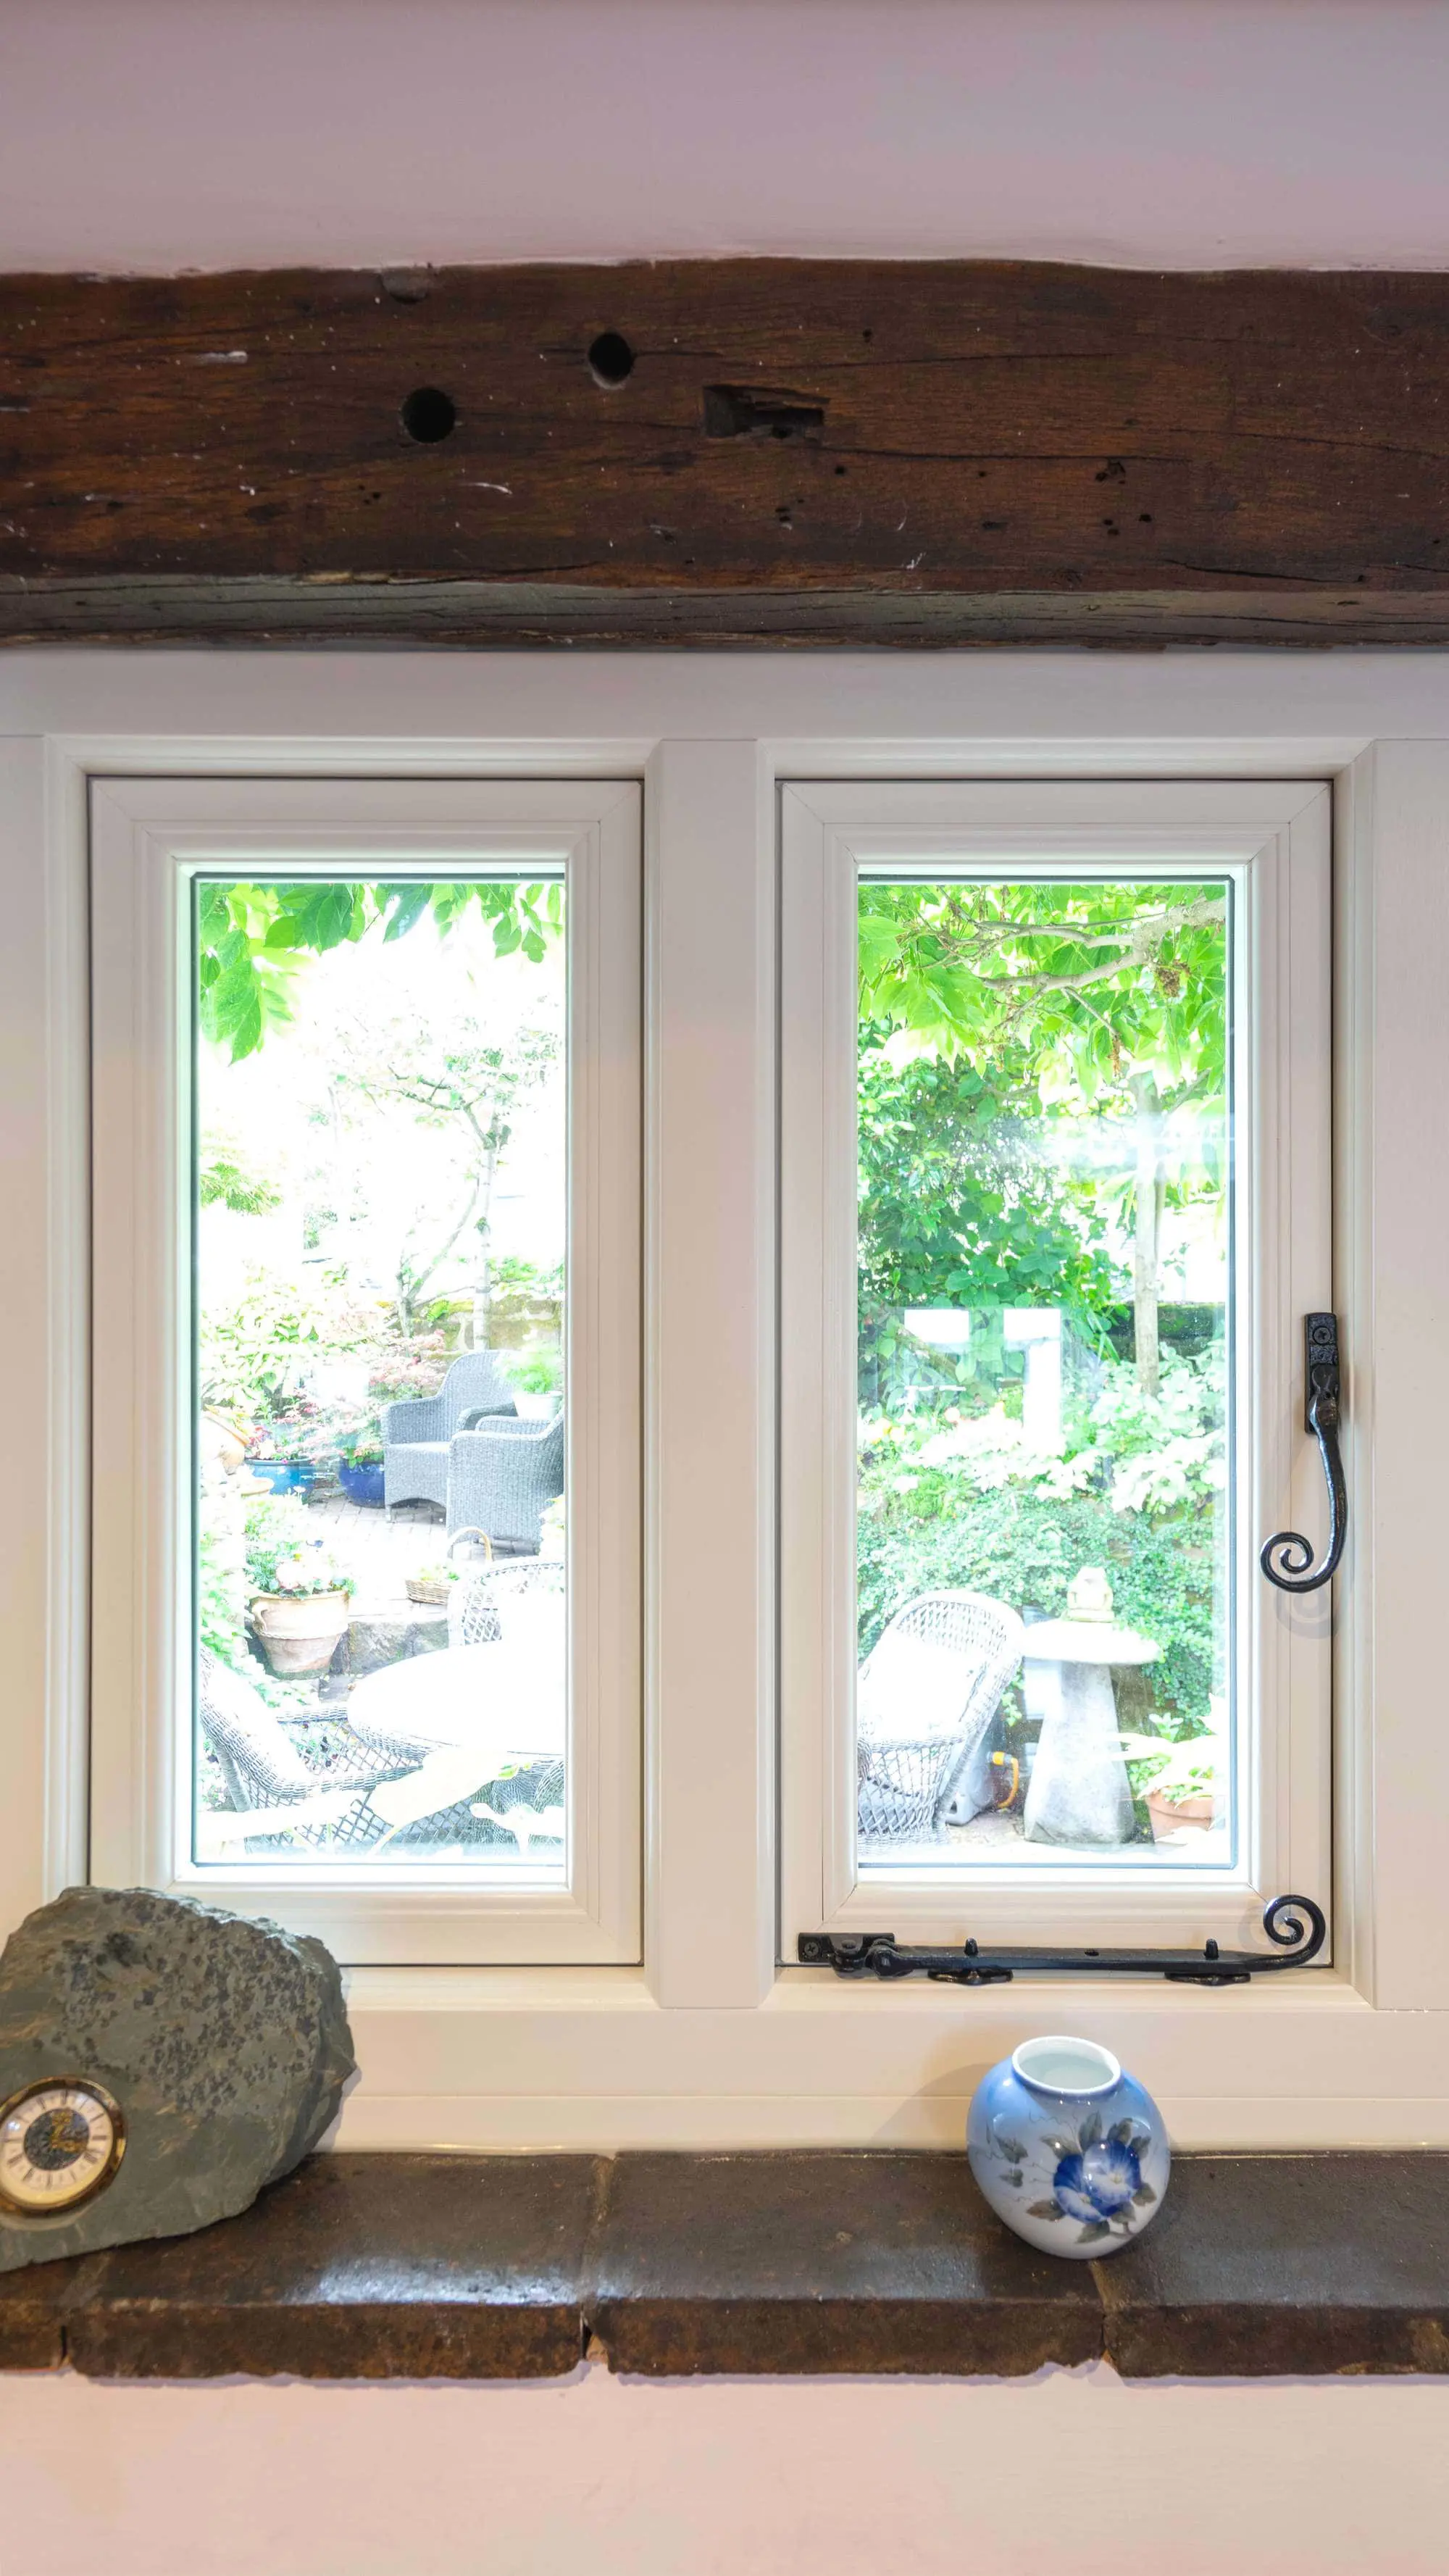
1147,1242
483,1266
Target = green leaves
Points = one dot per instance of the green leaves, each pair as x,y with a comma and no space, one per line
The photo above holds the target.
405,905
960,1204
1020,1546
252,940
224,1179
1088,980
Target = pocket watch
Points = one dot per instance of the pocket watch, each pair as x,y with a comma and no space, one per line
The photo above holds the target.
61,2141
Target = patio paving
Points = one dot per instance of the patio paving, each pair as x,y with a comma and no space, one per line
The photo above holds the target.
380,1553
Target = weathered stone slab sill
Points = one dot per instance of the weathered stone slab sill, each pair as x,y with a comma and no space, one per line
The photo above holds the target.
511,2267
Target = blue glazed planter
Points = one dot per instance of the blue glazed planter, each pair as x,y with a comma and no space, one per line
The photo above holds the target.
284,1475
1071,2152
361,1484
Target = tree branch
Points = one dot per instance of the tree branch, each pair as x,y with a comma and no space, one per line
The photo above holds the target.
1140,942
421,1277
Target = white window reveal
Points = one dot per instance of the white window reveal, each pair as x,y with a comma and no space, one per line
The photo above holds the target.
366,1119
1055,1204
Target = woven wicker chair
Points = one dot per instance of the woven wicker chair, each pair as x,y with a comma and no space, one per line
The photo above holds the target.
262,1767
927,1694
502,1475
478,1601
264,1773
417,1430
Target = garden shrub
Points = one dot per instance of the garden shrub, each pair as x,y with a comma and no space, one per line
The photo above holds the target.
1024,1549
949,1501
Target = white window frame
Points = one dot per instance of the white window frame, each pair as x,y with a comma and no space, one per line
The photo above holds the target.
710,2042
150,839
1272,843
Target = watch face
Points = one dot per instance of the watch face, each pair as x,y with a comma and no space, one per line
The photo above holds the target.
60,2142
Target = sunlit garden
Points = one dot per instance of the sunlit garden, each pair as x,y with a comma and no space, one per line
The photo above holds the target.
1044,1264
1044,1267
380,1241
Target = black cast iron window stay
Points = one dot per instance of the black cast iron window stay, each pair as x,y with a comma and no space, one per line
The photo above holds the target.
1294,1924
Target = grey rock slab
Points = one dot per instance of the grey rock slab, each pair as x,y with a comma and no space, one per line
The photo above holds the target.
223,2039
376,1639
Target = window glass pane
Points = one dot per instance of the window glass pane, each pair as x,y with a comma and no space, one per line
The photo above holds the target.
379,1209
1045,1374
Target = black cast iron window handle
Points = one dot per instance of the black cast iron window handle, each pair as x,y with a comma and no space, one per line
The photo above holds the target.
1294,1924
1295,1570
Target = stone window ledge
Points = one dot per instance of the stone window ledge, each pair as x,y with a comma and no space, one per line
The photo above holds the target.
512,2267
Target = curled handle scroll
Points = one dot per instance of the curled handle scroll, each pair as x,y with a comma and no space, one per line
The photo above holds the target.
1287,1557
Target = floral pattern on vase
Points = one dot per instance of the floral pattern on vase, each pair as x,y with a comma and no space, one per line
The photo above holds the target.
1071,2152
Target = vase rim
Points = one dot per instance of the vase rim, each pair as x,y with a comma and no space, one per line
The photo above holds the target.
1066,2067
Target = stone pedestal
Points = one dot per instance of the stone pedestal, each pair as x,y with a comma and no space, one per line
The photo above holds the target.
1079,1789
1080,1793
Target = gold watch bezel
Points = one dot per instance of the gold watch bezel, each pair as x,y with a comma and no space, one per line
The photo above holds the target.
98,2181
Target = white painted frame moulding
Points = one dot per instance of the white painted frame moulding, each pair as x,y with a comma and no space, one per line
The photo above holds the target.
1271,843
150,838
708,2043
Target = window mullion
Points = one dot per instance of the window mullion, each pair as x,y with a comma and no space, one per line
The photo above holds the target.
710,1457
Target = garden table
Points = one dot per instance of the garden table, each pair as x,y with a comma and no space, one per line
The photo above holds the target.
504,1698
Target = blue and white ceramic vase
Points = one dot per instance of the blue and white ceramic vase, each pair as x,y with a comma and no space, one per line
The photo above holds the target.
1068,2150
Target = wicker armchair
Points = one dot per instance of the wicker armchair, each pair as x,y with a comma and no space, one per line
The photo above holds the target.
478,1602
417,1430
927,1694
501,1476
263,1770
285,1803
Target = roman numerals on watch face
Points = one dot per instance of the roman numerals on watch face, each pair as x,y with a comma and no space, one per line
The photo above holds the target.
60,2142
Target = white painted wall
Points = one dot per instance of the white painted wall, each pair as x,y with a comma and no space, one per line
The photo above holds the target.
163,134
600,2477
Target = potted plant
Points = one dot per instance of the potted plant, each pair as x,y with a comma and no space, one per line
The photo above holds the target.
1177,1780
359,1467
536,1377
280,1455
433,1583
298,1595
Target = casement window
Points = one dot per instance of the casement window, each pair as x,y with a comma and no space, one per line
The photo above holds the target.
1055,1192
811,1174
341,1032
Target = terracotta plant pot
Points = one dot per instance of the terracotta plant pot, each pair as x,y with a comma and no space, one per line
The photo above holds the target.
1169,1819
299,1630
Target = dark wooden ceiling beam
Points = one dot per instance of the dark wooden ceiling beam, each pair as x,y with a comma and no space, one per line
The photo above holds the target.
730,452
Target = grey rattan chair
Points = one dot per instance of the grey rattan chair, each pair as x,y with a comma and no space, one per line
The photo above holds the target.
417,1430
502,1475
297,1804
478,1601
262,1768
928,1692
